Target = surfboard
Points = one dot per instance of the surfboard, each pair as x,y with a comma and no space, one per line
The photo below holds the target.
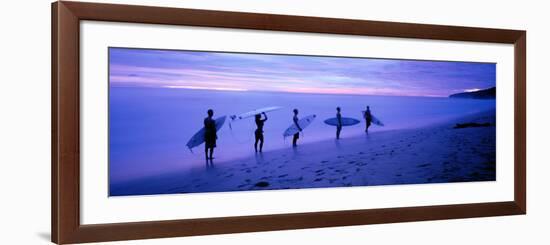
303,123
254,112
198,138
374,119
346,121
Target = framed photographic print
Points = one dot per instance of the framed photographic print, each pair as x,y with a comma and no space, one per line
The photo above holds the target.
177,122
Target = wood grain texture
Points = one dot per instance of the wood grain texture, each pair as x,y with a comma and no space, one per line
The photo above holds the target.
67,122
273,22
520,122
193,227
54,121
66,17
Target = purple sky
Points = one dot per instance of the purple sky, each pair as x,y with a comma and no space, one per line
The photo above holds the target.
291,73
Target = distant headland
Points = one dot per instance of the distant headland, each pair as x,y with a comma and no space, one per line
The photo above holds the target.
489,93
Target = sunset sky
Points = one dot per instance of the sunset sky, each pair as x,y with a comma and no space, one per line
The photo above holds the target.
292,73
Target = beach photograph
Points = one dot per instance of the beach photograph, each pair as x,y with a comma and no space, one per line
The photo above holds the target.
186,121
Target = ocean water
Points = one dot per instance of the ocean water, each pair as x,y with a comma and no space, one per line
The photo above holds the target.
149,127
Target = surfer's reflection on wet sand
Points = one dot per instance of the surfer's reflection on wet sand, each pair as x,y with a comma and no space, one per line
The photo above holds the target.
295,152
259,158
337,144
209,164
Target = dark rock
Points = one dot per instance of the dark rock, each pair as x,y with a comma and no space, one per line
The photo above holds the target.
471,125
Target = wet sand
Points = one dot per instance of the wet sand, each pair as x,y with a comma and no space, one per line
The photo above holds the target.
439,153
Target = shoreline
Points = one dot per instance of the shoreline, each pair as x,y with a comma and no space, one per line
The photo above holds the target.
437,153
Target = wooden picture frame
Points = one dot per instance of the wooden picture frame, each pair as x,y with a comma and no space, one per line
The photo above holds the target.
66,226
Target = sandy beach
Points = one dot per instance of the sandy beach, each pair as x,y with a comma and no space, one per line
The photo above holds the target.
438,153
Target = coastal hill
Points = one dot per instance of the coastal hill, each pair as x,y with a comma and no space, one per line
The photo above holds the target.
489,93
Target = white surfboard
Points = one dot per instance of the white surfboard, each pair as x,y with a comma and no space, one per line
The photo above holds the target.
303,123
198,138
255,112
374,119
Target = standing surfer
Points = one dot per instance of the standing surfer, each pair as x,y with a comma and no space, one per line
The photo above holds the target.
368,119
339,126
296,135
259,133
210,135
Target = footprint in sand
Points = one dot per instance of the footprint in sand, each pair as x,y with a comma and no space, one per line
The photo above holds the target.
292,180
282,176
324,161
262,184
318,179
424,165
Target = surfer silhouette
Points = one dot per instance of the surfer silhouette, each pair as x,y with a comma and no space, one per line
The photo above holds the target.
368,119
296,135
339,126
259,133
210,135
